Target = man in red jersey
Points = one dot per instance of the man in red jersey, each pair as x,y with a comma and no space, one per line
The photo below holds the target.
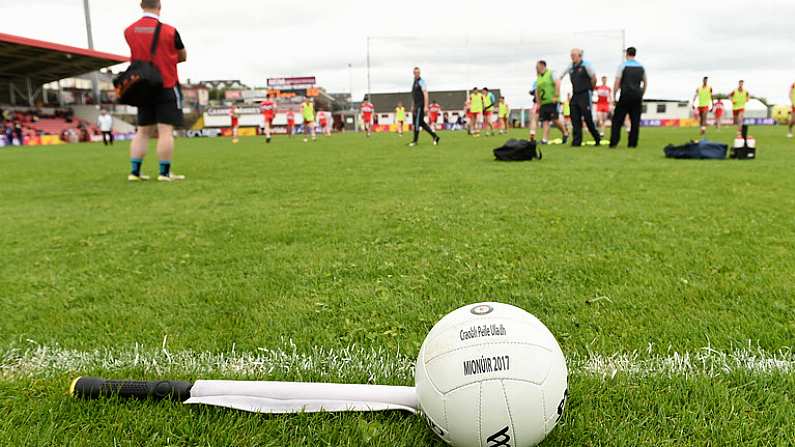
470,116
290,123
792,114
164,110
718,111
268,109
367,110
603,95
434,112
325,123
234,116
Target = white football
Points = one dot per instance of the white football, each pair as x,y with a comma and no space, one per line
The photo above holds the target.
491,375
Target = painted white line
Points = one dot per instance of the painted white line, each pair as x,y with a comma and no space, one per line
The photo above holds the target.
370,365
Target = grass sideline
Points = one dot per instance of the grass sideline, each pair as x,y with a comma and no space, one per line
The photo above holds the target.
366,243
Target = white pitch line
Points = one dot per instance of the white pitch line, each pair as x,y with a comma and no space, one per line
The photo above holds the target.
373,365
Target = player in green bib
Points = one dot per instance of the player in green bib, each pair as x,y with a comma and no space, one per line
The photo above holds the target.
476,104
739,97
703,98
308,113
502,115
488,110
400,118
548,97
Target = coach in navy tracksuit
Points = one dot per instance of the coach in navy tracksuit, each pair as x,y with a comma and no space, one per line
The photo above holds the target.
632,82
583,81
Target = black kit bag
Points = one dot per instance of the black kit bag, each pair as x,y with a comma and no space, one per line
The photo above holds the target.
518,150
142,80
698,150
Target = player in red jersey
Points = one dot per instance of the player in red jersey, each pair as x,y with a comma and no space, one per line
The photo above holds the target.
434,112
268,109
325,123
603,95
792,114
234,115
367,108
718,111
290,123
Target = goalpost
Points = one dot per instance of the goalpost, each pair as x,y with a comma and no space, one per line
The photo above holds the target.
501,61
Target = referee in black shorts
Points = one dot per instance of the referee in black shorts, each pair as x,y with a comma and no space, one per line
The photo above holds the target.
632,82
583,81
419,94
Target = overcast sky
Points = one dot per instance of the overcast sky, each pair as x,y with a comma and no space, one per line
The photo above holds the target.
459,44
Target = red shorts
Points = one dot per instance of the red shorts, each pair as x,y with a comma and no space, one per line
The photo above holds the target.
367,118
738,112
719,114
602,108
703,109
470,116
290,123
235,122
268,118
323,123
434,117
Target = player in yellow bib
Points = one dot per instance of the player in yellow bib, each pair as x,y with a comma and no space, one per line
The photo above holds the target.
400,118
476,108
567,112
739,98
308,113
703,99
502,115
792,113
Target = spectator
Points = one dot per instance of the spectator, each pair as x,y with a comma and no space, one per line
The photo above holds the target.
105,124
18,133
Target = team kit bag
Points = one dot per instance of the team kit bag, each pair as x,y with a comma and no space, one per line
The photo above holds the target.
518,150
142,80
697,150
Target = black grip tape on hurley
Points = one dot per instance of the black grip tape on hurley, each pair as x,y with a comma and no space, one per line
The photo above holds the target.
90,388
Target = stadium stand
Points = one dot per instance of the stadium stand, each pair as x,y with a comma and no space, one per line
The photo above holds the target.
25,66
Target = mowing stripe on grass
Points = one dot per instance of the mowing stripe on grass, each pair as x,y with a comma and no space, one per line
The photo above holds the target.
377,365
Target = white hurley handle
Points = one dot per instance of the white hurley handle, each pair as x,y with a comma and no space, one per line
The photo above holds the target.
284,397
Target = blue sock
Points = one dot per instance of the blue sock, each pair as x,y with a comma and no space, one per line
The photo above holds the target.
165,168
136,166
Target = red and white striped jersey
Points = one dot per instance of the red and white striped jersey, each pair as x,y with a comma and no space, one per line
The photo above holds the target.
367,108
603,93
267,106
435,109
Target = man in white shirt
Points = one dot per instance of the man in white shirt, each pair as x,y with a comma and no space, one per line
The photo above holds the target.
105,124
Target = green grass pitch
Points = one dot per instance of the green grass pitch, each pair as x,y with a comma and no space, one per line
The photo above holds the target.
669,284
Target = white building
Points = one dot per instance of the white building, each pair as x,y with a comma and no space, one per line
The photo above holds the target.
666,109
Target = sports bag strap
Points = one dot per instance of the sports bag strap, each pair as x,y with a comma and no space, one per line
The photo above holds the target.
155,41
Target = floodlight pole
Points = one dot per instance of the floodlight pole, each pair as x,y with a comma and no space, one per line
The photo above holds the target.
350,91
368,68
90,35
623,43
